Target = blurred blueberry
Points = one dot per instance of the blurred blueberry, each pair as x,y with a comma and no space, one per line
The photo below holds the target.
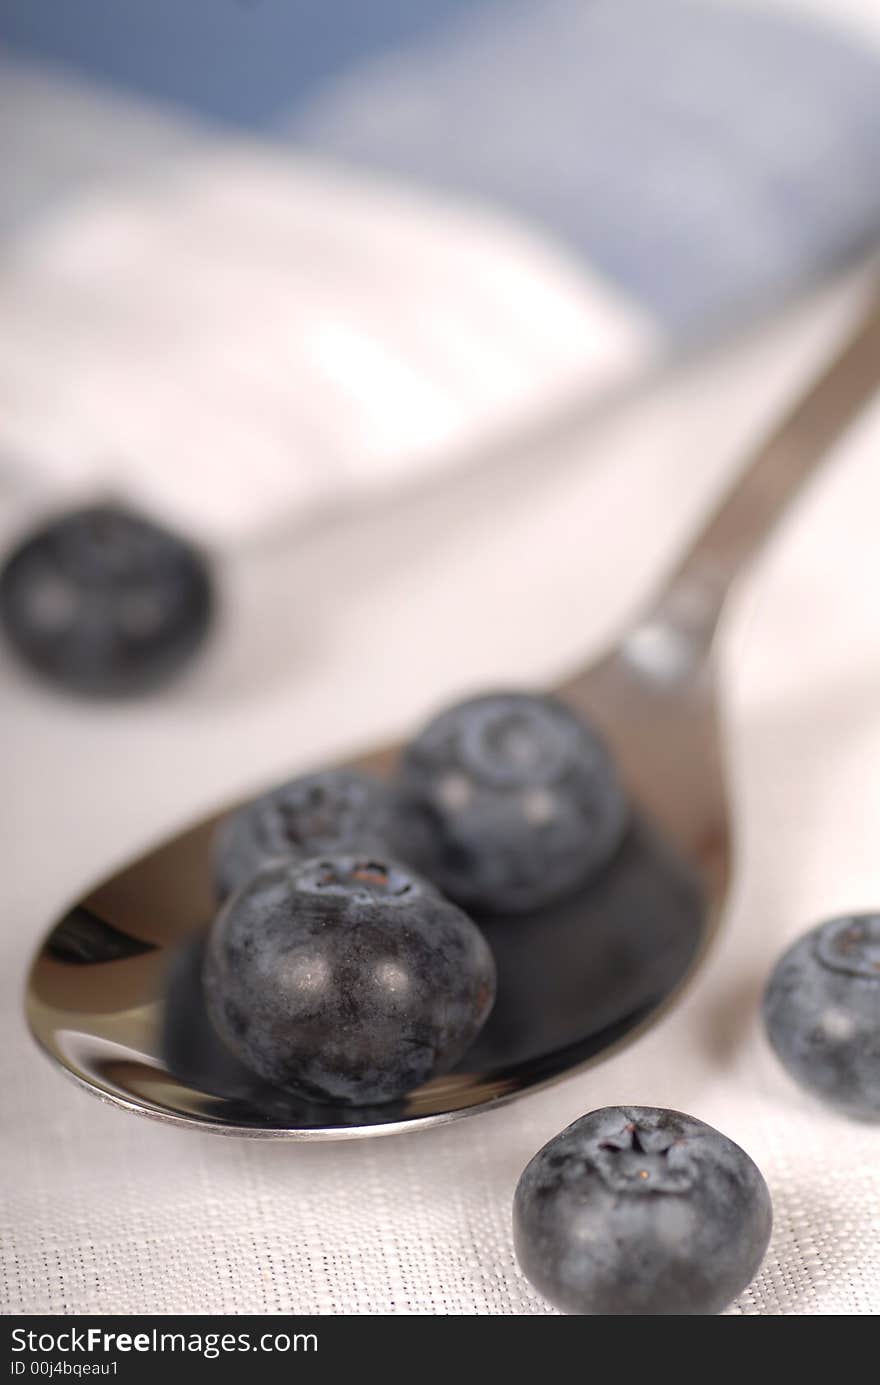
509,801
336,810
822,1013
104,602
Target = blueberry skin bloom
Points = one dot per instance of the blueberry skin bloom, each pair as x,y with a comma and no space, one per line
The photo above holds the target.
634,1210
509,801
104,602
822,1013
346,979
337,810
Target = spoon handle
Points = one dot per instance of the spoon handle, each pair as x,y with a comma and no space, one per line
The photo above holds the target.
694,596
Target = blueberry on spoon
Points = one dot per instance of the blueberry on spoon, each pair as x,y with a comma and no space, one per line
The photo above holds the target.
822,1013
336,810
635,1210
104,602
346,979
509,801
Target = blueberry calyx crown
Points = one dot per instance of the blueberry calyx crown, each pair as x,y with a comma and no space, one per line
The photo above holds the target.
358,875
851,946
642,1160
321,808
512,741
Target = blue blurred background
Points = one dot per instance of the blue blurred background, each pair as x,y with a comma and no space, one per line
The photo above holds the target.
243,61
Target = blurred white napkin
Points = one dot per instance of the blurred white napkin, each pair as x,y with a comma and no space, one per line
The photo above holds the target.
230,336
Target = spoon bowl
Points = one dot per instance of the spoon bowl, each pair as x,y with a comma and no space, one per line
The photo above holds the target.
114,995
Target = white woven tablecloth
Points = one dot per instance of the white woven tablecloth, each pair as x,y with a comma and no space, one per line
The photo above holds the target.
507,575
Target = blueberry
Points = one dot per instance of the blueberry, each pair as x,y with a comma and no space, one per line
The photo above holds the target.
509,802
633,1210
102,601
346,979
822,1013
338,810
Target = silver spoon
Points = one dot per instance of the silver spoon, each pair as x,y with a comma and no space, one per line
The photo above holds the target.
114,995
